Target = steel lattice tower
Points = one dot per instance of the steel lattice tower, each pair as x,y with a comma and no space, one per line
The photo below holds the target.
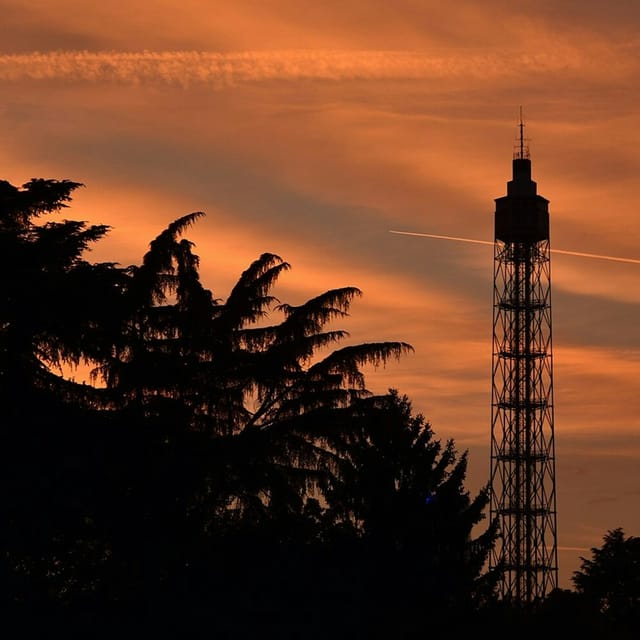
523,491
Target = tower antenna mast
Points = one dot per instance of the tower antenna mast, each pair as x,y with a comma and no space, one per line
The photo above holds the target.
522,465
521,135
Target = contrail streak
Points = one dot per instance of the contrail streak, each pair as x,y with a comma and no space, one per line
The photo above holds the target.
432,235
595,255
228,69
562,251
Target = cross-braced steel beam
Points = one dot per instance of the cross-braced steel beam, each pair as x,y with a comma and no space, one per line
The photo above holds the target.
523,492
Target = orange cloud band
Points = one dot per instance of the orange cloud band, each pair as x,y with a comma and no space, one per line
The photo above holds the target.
221,70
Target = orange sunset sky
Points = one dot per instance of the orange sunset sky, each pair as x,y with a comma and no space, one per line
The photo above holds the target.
311,129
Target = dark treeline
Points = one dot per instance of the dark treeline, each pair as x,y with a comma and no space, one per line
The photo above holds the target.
221,472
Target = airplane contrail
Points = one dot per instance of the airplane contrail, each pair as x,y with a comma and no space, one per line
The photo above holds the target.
562,251
221,70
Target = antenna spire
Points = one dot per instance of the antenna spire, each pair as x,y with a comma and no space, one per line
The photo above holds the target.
522,147
521,134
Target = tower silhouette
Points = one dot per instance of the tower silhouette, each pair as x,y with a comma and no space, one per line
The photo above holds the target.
523,488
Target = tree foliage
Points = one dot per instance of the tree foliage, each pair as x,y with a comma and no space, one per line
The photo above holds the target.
610,581
216,446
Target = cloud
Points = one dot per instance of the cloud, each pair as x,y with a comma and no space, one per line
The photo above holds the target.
220,70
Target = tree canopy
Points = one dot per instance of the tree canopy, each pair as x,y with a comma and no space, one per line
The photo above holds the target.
610,581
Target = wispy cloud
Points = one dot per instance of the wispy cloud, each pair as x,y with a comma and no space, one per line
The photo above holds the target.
219,70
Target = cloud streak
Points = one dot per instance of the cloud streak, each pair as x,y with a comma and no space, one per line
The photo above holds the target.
221,70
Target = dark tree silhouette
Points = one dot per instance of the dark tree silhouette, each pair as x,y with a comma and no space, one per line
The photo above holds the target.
216,449
52,299
51,308
404,493
609,582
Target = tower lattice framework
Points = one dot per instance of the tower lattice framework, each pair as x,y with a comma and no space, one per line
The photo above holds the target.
523,489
